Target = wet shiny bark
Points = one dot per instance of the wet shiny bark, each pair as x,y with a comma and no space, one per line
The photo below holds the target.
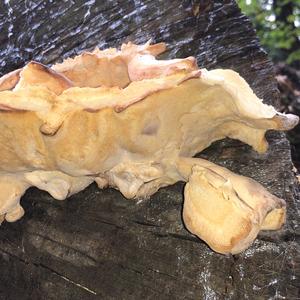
98,245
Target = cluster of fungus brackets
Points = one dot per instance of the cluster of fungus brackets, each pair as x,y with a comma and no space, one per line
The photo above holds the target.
123,119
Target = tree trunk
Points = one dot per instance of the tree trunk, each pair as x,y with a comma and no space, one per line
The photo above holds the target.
98,245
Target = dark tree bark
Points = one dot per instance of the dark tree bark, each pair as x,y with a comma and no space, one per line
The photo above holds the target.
98,245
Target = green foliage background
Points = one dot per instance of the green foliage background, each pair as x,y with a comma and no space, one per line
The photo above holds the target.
278,27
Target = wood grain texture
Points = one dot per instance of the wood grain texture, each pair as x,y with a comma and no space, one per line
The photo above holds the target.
97,244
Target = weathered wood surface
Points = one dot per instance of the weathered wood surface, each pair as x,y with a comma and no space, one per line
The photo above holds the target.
98,245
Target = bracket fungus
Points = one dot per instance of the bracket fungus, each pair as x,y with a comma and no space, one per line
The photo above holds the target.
123,119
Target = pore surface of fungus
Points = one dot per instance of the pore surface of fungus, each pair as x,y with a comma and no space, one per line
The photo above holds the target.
123,119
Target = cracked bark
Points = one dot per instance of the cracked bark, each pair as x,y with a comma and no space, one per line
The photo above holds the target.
98,245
